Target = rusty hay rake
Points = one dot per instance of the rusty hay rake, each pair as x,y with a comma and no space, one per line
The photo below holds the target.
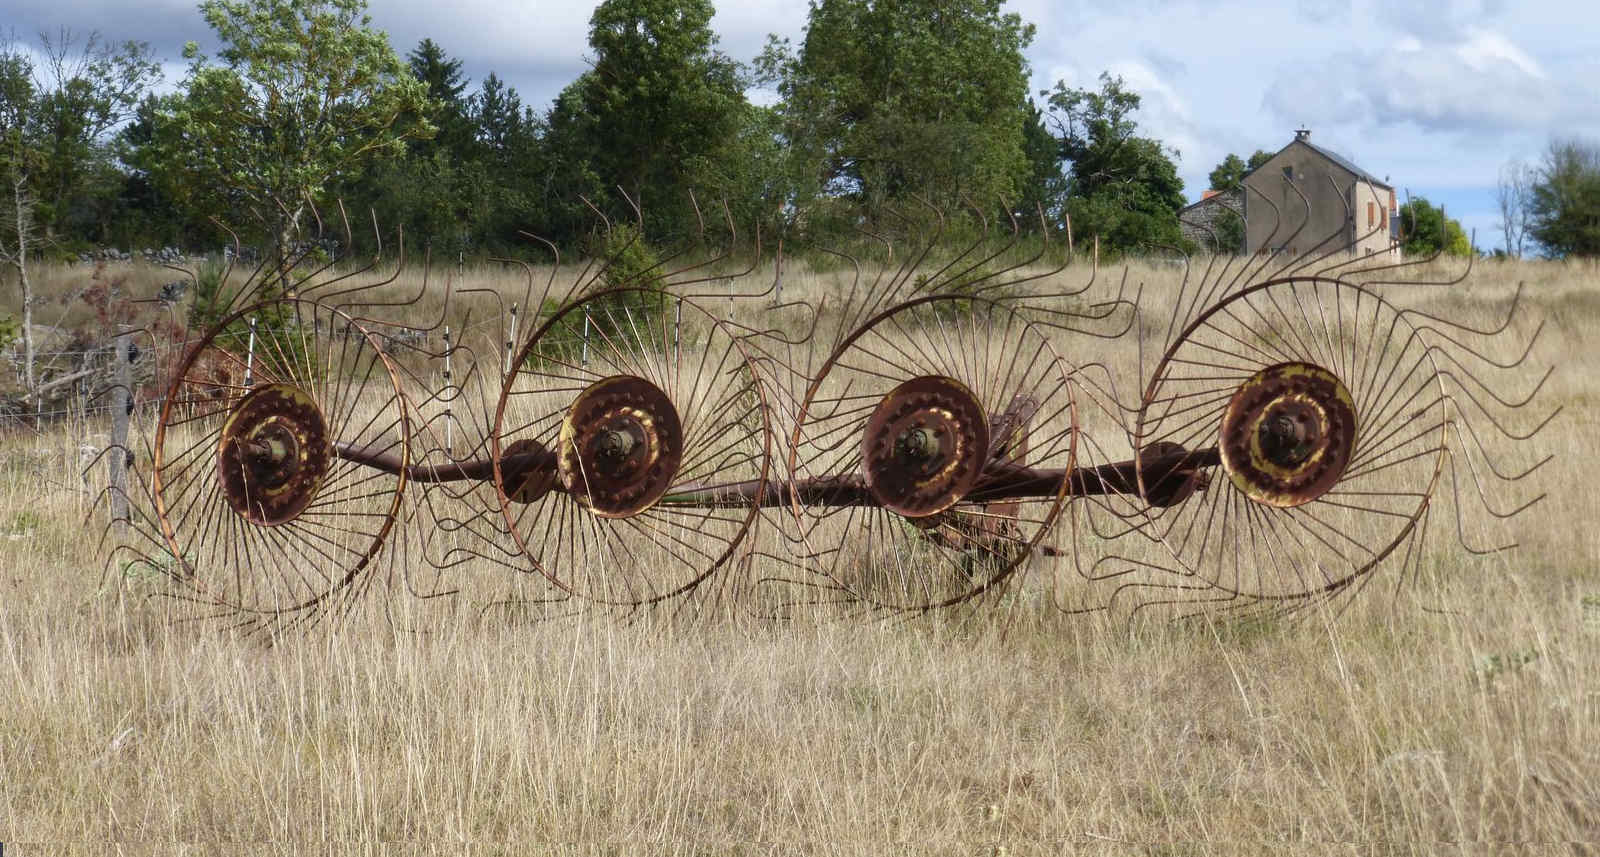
917,439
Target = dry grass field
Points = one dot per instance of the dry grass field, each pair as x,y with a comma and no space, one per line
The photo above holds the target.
1456,713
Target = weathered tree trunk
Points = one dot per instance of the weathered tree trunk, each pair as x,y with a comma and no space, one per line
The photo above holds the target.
288,228
24,226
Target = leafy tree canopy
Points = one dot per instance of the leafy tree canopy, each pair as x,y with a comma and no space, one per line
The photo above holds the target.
1229,175
889,100
1426,230
1122,187
654,114
305,94
447,108
1565,205
56,119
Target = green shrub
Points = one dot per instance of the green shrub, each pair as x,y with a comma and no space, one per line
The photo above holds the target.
215,300
627,258
631,265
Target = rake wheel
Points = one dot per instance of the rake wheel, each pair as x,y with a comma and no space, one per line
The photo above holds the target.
1326,413
924,404
649,412
260,507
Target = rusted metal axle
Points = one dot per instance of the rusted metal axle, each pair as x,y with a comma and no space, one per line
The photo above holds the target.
476,470
1170,477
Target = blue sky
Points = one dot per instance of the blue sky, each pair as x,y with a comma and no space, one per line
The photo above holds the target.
1436,94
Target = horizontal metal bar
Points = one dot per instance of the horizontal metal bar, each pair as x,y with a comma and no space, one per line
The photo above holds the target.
1001,481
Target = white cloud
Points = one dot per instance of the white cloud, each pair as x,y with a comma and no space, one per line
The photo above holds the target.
1437,19
1483,82
1483,51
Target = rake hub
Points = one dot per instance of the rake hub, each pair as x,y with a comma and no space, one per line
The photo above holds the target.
273,454
1288,434
924,446
621,445
528,476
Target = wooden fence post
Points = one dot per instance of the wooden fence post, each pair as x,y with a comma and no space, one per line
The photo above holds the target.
121,408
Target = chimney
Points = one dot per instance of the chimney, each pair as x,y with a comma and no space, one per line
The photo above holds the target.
1302,134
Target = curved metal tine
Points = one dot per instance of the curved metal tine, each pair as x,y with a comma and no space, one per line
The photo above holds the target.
1212,274
1461,529
1330,246
785,335
292,265
657,273
1031,298
1208,289
1505,431
959,272
662,273
328,292
1468,348
919,249
1511,312
676,285
1354,263
1291,260
1249,270
861,303
587,274
1457,427
246,294
1422,262
965,271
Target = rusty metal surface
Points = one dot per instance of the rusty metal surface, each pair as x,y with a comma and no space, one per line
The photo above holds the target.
903,403
924,446
636,421
1287,434
254,510
273,454
621,444
945,425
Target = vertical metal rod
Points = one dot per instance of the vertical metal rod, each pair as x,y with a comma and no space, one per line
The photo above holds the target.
121,407
677,326
250,355
511,340
585,337
449,396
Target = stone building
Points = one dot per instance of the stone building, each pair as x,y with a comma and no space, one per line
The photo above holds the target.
1207,221
1307,199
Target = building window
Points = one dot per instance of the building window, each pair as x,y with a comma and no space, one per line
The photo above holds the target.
1372,214
1288,173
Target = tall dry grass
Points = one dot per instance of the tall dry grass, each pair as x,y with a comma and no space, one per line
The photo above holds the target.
1458,712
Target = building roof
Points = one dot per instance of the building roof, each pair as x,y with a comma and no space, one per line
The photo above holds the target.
1303,137
1345,162
1227,198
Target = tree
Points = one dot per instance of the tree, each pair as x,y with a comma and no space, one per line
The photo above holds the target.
1426,230
658,108
16,163
55,123
448,106
305,95
890,99
1564,207
1229,175
1045,188
1121,187
1514,195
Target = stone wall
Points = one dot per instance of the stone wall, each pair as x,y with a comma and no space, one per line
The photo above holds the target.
1198,221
